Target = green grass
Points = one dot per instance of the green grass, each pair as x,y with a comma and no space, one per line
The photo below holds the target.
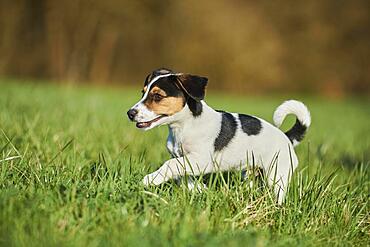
71,166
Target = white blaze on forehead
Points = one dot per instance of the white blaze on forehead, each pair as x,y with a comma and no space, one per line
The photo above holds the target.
150,85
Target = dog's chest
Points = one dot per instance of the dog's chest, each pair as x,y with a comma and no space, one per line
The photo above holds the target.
177,144
177,149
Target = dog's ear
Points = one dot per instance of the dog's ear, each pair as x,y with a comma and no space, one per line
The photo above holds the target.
194,86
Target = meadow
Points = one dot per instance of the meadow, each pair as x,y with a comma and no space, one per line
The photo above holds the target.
71,166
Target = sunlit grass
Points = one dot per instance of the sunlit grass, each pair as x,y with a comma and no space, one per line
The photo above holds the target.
71,167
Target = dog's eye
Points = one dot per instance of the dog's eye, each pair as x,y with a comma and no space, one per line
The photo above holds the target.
157,97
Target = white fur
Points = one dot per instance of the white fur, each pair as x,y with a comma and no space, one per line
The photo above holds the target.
191,144
292,107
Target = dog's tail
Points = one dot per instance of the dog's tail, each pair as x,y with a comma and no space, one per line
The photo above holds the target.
297,132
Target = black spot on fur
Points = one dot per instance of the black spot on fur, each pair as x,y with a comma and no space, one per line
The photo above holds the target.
250,125
194,86
167,84
297,132
227,132
195,107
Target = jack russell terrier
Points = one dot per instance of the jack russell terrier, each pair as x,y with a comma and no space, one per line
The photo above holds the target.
202,140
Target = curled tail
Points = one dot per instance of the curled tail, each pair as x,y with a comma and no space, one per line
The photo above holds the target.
297,132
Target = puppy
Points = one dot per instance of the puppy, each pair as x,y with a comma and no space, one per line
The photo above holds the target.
202,140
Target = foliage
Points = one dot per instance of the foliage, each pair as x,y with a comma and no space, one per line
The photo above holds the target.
71,167
319,46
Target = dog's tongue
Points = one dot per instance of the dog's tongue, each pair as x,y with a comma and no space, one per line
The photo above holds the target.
143,124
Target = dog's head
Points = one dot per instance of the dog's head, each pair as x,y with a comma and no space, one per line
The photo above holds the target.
165,94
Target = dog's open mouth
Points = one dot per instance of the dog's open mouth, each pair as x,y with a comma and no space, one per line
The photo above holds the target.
147,124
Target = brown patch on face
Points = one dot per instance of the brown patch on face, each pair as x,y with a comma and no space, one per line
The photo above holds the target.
161,104
157,90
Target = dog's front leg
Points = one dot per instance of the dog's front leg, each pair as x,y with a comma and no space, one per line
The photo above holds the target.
176,167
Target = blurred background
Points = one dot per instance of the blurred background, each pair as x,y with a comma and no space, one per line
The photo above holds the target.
319,47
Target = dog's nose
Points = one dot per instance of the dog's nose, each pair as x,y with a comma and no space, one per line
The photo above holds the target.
131,114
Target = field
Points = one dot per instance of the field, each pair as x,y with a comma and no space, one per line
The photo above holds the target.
71,166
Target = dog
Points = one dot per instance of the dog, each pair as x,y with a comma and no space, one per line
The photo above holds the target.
202,140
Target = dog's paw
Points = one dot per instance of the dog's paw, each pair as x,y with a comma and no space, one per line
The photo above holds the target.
153,179
146,181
